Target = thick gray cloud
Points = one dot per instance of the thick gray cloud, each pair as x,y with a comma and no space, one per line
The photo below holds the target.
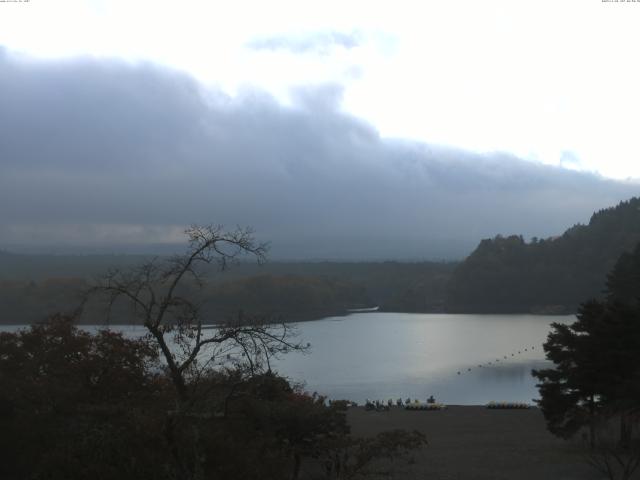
315,42
102,152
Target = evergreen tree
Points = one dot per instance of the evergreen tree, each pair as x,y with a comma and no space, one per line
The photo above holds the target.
597,358
623,283
570,392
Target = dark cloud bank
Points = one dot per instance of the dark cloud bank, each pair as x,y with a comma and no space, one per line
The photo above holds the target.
91,148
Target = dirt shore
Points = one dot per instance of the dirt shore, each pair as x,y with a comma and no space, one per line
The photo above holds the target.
473,442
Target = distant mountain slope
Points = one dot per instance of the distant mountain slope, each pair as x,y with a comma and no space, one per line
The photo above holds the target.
508,274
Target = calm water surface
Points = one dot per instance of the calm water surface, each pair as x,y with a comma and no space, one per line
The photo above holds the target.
391,355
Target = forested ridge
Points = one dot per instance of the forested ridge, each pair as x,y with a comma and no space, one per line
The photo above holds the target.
506,274
33,286
553,275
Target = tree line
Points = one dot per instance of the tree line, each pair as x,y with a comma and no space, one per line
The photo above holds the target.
291,290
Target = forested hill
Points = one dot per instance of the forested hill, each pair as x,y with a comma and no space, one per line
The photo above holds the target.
554,275
33,286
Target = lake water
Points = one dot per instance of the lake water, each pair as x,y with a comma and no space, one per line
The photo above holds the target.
391,355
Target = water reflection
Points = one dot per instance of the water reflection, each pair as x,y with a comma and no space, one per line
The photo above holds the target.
460,359
386,355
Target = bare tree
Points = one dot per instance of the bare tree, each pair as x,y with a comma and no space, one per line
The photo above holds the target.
160,295
156,295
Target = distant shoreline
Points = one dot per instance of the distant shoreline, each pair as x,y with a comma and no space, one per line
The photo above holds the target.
312,318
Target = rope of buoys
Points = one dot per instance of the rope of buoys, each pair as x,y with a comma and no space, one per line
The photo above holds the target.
508,405
497,360
425,406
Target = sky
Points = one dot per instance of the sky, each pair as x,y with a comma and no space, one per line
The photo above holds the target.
336,129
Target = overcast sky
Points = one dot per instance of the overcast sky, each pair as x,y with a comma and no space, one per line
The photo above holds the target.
365,130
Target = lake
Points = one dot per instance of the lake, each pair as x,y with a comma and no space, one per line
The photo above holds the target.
391,355
459,359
